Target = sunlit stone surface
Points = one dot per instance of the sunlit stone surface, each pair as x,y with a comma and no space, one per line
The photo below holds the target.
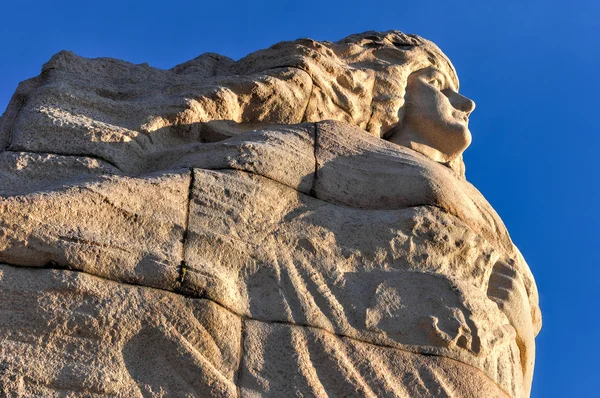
295,223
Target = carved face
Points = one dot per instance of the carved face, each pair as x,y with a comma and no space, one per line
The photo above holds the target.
435,120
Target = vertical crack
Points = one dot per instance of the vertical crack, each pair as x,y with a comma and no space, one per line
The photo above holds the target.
238,376
182,272
183,266
312,89
313,192
373,105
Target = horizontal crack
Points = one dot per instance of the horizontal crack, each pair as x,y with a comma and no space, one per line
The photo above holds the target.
243,317
81,240
311,192
55,266
68,155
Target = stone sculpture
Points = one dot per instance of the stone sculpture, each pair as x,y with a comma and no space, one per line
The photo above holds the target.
295,223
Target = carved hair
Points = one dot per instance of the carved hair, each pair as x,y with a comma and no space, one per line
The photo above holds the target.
393,56
360,80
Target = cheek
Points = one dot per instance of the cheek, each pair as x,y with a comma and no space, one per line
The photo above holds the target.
442,103
433,109
428,101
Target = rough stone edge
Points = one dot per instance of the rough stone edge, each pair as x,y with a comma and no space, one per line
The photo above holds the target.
182,264
16,103
244,319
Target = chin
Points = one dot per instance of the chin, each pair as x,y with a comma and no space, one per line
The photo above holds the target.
454,141
467,137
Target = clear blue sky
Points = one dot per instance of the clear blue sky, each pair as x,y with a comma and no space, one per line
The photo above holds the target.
531,66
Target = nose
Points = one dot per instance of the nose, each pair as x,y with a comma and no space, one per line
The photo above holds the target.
462,103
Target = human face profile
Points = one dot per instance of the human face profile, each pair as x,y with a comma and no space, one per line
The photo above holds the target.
436,117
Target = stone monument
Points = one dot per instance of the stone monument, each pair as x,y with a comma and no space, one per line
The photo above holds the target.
295,223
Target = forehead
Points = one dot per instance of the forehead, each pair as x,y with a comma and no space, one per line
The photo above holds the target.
438,73
432,56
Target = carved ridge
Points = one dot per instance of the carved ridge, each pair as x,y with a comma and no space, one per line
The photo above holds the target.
244,318
91,156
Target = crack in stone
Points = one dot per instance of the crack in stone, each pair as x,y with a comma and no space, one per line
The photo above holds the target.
312,90
182,271
81,240
183,266
238,378
373,108
244,318
313,191
128,214
91,156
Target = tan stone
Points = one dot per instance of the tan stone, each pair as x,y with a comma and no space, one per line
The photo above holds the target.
23,173
269,253
326,365
121,228
66,333
282,153
231,241
128,114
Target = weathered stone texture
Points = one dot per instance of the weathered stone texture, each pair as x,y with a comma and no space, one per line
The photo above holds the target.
324,364
203,231
67,333
121,228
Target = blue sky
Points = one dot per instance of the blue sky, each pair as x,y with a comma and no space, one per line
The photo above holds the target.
531,67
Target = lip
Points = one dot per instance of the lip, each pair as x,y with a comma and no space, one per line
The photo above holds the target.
462,116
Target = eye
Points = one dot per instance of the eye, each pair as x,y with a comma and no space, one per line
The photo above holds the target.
436,82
